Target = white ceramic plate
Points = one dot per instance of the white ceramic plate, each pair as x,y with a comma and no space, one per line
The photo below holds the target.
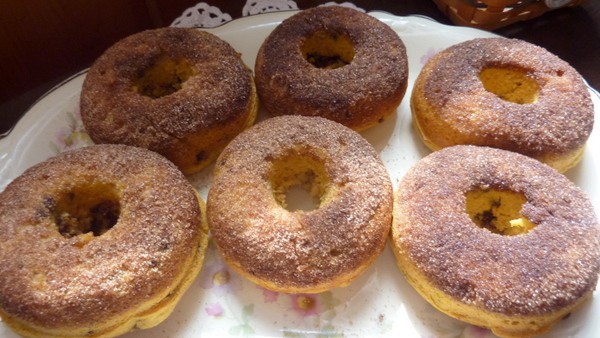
220,302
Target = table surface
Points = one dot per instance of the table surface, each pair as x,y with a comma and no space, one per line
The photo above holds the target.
572,33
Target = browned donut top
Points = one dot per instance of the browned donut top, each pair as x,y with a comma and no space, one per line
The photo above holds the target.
54,281
114,112
302,248
544,270
560,121
378,71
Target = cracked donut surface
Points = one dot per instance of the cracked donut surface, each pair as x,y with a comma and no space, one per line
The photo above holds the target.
300,250
496,239
183,93
97,241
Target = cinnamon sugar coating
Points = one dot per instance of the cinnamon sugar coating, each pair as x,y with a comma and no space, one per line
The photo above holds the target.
56,284
536,274
300,251
453,107
218,97
358,94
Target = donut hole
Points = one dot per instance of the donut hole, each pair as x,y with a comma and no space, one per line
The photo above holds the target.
298,182
510,85
498,211
328,50
164,77
89,210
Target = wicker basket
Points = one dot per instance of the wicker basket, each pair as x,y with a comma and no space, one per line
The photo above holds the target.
493,14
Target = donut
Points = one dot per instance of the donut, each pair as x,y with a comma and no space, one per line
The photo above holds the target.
92,245
504,93
306,248
334,62
183,93
496,239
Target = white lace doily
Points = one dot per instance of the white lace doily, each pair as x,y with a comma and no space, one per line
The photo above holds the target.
344,4
202,15
253,7
207,16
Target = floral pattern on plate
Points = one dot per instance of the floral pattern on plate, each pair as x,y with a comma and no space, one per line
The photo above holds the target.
72,135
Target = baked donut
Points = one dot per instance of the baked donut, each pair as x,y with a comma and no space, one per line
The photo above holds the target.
504,93
92,245
183,93
334,62
496,239
310,249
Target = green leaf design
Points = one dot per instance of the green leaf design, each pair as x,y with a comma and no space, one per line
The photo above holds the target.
247,311
244,328
241,330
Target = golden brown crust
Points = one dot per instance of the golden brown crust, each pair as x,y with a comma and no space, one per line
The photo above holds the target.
300,251
451,105
357,95
537,274
218,98
73,284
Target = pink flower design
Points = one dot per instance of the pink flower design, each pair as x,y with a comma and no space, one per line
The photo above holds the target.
72,135
476,332
270,296
306,304
219,279
430,53
214,310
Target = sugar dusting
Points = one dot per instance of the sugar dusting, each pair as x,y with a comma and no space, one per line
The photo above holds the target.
45,278
559,122
218,93
300,249
356,95
542,271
